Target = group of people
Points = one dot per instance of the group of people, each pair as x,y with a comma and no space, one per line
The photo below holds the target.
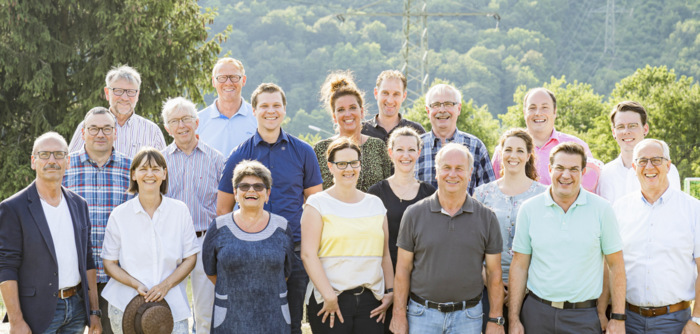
382,228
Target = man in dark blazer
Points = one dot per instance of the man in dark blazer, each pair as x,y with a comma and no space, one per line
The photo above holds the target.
47,271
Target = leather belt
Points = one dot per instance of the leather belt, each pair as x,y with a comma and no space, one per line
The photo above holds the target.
200,233
447,307
650,312
68,292
356,291
566,305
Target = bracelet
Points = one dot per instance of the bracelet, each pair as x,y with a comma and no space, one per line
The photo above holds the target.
389,290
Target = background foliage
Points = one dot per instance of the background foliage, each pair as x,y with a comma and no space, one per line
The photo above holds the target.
54,55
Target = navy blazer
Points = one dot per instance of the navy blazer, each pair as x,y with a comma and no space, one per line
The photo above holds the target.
28,256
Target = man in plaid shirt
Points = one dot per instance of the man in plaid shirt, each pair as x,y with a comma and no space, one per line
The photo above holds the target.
444,104
99,174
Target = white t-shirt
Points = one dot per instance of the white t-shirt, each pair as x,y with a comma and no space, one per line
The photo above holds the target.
150,250
63,236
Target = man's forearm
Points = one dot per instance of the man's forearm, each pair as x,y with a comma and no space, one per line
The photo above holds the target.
402,287
92,286
10,297
516,291
496,292
618,282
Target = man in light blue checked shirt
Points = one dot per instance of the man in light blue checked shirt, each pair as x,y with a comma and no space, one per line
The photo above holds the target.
99,174
194,171
444,104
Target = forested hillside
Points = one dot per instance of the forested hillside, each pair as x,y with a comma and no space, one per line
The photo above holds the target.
296,43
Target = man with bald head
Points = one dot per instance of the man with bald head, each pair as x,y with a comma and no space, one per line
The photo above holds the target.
540,112
47,271
660,229
444,240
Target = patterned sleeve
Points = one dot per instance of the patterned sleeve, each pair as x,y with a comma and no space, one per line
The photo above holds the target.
77,141
189,238
486,170
158,139
320,150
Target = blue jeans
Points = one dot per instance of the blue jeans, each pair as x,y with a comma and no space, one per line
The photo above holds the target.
70,316
667,323
296,289
424,320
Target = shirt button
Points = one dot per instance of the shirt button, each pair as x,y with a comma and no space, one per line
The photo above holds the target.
50,284
55,294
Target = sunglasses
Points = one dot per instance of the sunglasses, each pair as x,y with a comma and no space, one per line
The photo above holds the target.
246,186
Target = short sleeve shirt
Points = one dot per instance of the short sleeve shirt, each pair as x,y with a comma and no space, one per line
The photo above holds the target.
566,248
376,164
372,128
448,251
225,134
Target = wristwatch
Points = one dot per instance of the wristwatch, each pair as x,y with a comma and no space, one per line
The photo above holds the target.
96,312
498,320
696,320
389,290
618,316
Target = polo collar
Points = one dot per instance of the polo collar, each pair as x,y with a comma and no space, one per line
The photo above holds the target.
467,206
257,139
582,198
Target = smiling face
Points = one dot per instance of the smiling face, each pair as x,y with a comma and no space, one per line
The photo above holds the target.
345,177
123,105
228,91
390,95
652,178
99,143
149,176
540,113
348,114
453,173
251,199
270,111
50,170
444,119
183,132
628,130
404,153
514,155
566,171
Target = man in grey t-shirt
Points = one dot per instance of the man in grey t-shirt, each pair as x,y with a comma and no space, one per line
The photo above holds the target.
443,241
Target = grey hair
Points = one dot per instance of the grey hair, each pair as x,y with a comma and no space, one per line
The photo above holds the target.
178,103
455,147
100,111
49,135
442,88
664,147
125,72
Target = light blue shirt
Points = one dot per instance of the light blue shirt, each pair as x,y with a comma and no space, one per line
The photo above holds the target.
567,248
223,133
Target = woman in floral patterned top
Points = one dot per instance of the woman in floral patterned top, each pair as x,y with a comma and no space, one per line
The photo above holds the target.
346,104
505,195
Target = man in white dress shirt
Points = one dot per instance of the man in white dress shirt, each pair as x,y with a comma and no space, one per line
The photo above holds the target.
660,229
629,127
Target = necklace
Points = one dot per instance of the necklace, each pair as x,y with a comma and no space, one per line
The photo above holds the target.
403,193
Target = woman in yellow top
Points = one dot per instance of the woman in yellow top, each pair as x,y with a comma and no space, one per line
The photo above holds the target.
344,246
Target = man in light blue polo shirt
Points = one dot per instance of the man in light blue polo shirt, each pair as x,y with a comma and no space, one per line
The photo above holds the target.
295,176
561,238
229,120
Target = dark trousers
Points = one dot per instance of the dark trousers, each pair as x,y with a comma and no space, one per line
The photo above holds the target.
296,288
355,310
667,323
540,318
486,305
104,307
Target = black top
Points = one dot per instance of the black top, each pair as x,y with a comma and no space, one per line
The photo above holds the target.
373,129
395,208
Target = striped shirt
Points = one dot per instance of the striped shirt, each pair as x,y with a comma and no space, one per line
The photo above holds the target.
194,179
136,133
482,172
104,188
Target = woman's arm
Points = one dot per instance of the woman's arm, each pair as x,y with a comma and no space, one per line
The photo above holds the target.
388,269
158,292
311,229
116,272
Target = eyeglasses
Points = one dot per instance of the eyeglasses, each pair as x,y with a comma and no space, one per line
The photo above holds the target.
176,121
46,155
234,78
344,164
572,170
121,91
656,161
447,104
93,130
246,186
630,126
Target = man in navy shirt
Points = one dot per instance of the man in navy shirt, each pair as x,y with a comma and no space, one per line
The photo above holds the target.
295,176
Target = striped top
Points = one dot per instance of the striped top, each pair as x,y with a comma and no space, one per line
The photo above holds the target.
104,188
194,179
352,243
137,132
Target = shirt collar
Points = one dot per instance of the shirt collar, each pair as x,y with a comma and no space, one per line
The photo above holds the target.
257,139
435,139
85,158
665,197
243,110
136,205
373,121
582,198
467,206
172,148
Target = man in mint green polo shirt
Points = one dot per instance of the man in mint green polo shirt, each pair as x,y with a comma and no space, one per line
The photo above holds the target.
561,238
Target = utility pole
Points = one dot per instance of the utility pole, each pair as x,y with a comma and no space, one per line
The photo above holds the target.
414,50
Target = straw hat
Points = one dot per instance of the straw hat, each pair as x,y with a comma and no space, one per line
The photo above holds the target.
141,317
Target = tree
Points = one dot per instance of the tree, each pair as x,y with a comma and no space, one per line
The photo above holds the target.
54,56
672,106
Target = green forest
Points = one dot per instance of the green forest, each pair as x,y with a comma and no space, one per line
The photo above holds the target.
592,54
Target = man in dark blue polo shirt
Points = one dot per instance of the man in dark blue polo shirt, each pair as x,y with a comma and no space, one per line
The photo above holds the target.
295,176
